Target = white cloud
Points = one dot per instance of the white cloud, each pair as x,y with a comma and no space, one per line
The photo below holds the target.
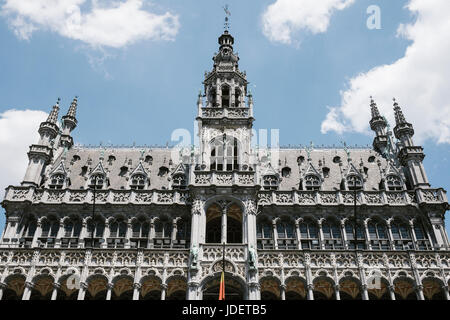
18,130
284,18
109,23
419,80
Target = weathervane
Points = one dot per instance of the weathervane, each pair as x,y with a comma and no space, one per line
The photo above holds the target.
227,14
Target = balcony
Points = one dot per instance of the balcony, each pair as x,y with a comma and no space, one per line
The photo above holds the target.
235,178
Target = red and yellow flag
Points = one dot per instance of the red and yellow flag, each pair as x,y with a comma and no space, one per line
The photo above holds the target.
222,287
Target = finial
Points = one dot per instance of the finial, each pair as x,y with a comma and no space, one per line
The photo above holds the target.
399,117
73,108
53,116
374,108
227,14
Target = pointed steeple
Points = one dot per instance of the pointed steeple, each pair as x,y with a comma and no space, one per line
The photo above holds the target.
69,123
374,108
378,124
399,116
53,116
73,108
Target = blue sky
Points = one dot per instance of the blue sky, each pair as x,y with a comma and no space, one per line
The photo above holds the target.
141,90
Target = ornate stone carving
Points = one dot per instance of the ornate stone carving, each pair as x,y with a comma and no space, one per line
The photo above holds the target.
144,197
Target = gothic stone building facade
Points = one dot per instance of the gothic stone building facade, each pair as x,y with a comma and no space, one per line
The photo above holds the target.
149,223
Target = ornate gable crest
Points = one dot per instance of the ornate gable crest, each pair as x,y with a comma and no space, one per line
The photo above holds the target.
353,171
139,170
270,171
311,171
180,169
98,169
391,170
60,168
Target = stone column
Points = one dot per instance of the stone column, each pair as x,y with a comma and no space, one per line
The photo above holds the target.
344,235
283,292
163,291
391,238
60,234
413,235
128,235
321,239
174,231
37,234
365,293
110,286
419,291
310,292
56,286
447,294
391,289
366,231
27,290
3,286
136,288
82,291
192,290
253,291
297,233
224,226
275,234
336,292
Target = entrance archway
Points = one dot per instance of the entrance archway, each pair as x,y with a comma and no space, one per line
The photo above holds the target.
233,289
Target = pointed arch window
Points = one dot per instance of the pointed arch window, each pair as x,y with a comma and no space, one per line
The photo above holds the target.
72,230
270,182
378,235
332,235
163,234
394,183
286,235
422,240
179,181
311,182
360,238
224,154
401,235
225,96
95,231
183,235
354,182
57,181
138,181
50,228
97,181
309,234
264,234
140,234
117,234
28,233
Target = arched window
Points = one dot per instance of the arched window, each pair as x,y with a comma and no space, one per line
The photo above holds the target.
28,233
360,238
225,96
354,182
378,235
95,230
237,97
422,240
286,235
72,230
138,181
309,234
224,154
163,234
140,233
270,182
97,181
57,181
264,235
179,182
49,232
183,233
212,96
394,183
332,235
117,234
401,236
311,182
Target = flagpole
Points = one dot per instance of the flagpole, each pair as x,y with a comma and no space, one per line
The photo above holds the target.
222,277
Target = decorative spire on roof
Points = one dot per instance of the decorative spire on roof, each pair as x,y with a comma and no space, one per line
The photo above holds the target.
73,108
399,116
53,116
374,108
227,14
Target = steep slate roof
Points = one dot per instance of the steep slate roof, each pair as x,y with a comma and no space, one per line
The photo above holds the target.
161,157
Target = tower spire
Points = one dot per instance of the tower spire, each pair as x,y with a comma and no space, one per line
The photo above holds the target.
227,14
399,116
69,123
374,108
53,116
73,108
378,124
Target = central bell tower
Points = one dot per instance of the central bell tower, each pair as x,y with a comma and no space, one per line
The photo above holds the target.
225,116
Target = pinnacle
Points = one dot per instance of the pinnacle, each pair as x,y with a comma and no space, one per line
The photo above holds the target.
53,116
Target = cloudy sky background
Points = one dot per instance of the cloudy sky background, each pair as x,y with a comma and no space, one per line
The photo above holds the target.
138,65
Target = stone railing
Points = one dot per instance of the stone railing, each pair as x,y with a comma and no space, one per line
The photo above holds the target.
372,198
33,195
234,113
207,178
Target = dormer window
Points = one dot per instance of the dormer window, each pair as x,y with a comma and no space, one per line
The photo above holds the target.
311,182
97,181
270,182
394,183
57,181
179,182
138,181
354,182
